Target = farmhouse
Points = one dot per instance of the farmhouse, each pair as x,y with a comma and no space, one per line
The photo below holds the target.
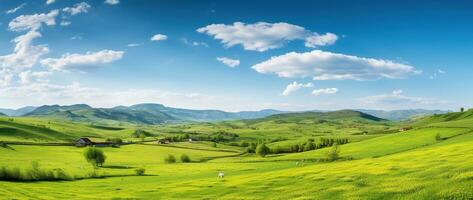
404,129
82,142
164,141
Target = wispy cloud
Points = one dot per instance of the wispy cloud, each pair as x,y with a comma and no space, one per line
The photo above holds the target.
319,92
294,86
82,62
229,62
13,10
397,100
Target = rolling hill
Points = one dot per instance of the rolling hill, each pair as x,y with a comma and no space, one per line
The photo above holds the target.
400,115
139,114
17,112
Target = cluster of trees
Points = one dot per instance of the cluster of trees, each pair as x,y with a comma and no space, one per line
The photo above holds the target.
141,134
171,159
312,145
178,138
114,140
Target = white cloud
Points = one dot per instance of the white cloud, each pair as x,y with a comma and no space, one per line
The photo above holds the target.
82,61
13,10
318,92
48,2
112,2
264,36
5,77
200,44
321,40
77,36
78,8
397,100
33,22
228,61
28,77
194,43
25,55
294,86
437,74
159,37
321,65
134,44
65,23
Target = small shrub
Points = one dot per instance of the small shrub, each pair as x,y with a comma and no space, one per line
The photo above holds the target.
140,171
185,158
170,159
262,150
333,153
438,138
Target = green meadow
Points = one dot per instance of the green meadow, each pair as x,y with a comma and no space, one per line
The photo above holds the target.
431,159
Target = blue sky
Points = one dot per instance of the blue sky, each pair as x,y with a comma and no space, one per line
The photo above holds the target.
245,55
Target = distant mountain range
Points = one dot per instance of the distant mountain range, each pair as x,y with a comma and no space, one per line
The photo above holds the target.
150,113
399,115
17,112
140,114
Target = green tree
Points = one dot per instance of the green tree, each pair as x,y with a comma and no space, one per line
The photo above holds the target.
170,159
185,158
333,153
309,146
140,171
94,156
438,138
262,150
462,109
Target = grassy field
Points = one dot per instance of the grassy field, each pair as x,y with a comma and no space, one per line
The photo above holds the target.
430,161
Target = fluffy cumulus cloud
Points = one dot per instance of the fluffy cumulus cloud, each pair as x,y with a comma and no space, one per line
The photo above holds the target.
159,37
13,10
229,62
397,100
318,92
82,61
294,86
321,40
112,2
25,54
322,65
263,36
33,22
48,2
78,8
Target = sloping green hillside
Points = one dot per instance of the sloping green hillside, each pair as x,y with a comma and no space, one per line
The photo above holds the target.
45,130
424,163
466,117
